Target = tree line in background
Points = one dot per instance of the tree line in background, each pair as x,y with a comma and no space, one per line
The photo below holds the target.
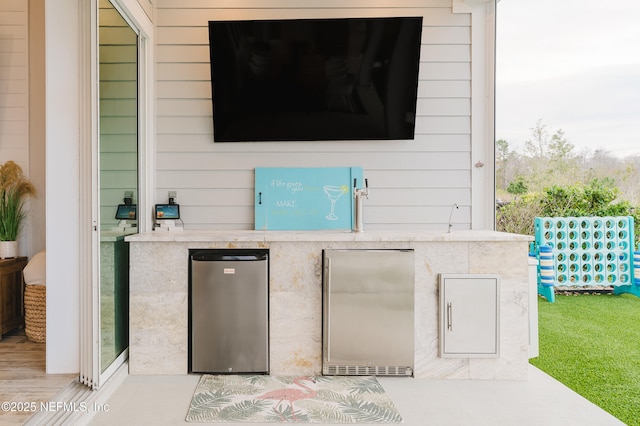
550,179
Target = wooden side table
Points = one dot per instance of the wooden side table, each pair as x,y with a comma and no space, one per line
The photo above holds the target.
11,294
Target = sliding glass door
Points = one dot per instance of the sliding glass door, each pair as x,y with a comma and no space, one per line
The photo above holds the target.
118,54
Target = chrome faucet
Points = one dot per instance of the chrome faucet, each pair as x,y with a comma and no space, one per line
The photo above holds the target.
358,195
455,206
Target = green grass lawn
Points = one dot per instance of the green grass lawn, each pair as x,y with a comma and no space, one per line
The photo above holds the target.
591,343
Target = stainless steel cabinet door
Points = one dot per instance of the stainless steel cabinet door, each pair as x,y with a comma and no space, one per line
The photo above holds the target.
469,316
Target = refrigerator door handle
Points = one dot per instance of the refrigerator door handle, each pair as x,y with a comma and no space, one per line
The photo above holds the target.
328,307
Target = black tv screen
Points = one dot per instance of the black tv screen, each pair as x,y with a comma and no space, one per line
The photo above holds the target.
314,79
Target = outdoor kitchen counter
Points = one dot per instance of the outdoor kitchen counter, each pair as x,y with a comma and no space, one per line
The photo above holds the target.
323,236
158,341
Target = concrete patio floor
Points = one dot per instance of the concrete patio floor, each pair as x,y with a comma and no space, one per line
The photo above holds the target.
541,400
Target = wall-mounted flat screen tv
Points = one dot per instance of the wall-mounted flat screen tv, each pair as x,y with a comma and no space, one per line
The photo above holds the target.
314,79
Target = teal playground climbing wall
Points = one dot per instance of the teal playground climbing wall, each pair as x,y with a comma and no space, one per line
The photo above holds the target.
588,251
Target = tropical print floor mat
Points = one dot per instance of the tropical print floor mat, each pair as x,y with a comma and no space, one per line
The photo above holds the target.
278,399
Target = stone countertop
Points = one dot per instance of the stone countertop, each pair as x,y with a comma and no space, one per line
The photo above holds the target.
325,235
111,235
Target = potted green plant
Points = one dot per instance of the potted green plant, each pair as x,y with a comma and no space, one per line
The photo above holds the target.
14,190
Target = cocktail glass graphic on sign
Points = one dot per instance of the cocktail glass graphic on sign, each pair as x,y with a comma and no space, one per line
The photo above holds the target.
334,193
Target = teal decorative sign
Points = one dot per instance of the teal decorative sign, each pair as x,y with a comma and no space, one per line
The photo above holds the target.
305,198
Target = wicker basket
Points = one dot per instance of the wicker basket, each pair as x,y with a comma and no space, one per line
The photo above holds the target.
35,312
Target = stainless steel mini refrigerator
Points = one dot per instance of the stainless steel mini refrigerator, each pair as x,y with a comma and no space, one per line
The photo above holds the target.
229,310
368,312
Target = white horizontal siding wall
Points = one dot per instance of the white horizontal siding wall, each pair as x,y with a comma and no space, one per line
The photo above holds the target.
413,184
14,85
14,101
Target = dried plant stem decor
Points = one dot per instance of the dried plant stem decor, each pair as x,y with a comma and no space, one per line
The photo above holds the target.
14,190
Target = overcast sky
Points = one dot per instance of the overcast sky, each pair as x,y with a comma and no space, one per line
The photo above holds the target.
575,65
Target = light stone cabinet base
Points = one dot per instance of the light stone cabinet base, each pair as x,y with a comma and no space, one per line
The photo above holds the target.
159,302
